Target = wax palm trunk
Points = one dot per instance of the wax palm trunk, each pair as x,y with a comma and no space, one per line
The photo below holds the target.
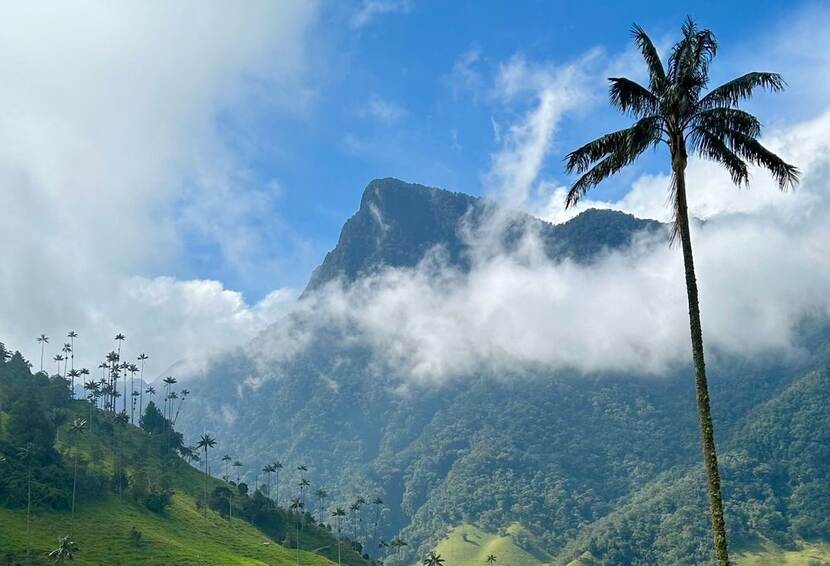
707,429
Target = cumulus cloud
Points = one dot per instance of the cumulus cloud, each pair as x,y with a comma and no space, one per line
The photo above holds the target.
112,162
371,9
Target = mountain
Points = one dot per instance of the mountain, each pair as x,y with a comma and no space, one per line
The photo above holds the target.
545,464
398,223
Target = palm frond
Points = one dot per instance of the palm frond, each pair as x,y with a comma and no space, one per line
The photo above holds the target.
631,97
580,160
635,141
732,92
711,146
721,119
750,149
656,72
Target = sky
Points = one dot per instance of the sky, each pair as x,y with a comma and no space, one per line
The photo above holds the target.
174,171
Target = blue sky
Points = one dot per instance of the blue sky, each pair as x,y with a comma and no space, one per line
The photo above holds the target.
386,102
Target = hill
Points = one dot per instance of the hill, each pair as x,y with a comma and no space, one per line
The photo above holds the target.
136,501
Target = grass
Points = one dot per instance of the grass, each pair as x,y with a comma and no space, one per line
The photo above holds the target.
467,545
183,535
768,554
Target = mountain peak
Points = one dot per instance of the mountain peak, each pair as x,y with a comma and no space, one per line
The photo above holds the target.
399,222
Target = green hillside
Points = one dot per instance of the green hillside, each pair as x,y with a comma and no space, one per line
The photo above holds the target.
467,545
136,500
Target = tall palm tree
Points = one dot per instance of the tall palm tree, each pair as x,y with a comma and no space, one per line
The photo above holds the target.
125,368
72,335
321,498
303,485
433,559
297,506
65,551
58,358
674,110
398,543
169,382
338,515
226,463
185,392
378,503
67,350
267,469
73,373
277,467
142,357
133,369
120,338
237,464
491,560
43,339
206,442
78,426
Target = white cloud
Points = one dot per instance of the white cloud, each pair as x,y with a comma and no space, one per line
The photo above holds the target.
371,9
385,111
553,91
761,270
111,158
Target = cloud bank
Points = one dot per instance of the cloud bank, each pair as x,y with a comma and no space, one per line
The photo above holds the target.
114,159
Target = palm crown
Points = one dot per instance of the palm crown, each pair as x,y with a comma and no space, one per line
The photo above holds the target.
671,110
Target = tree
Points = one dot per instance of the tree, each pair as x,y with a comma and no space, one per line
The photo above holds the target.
133,369
58,359
67,350
42,340
237,464
78,426
672,110
73,373
338,515
277,467
65,551
321,498
205,443
142,357
433,559
491,559
72,335
378,503
297,506
226,463
398,543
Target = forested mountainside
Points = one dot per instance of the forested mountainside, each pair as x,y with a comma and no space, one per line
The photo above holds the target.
577,460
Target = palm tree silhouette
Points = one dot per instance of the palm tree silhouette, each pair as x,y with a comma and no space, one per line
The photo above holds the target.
671,110
142,357
266,469
58,358
237,464
433,559
225,462
491,559
185,393
321,498
297,507
206,442
72,335
67,349
78,426
398,543
378,503
73,374
42,340
338,515
277,467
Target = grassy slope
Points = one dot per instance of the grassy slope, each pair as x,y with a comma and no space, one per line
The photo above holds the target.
467,545
182,535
